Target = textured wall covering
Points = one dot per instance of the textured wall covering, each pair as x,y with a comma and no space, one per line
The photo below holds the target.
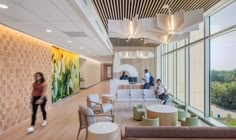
20,57
65,77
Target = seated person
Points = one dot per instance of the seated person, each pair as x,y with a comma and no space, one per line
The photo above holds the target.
124,76
160,91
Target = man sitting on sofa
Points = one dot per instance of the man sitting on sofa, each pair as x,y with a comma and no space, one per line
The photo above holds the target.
161,92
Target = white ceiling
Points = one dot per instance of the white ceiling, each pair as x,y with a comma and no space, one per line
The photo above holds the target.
35,16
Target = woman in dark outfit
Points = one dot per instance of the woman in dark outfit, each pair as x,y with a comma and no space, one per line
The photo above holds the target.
124,76
38,98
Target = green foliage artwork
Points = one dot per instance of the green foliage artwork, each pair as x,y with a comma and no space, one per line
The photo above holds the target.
65,77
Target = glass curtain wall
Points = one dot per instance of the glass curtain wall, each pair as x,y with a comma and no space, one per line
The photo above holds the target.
223,78
181,75
196,72
171,73
223,66
164,65
185,64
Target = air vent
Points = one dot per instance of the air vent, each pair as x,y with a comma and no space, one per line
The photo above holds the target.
85,2
76,34
99,26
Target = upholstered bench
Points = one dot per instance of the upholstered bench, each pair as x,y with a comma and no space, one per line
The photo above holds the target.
178,133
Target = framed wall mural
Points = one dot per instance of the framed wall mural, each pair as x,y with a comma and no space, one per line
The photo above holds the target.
65,74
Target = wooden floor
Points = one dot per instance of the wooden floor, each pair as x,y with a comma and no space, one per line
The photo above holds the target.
62,119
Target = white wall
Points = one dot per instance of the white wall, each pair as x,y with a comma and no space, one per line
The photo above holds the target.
138,64
90,71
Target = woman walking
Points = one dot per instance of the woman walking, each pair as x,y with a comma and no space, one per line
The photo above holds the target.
38,98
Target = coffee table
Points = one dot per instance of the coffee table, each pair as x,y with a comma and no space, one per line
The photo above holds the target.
168,115
103,131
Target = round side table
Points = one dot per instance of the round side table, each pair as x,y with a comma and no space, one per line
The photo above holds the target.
103,131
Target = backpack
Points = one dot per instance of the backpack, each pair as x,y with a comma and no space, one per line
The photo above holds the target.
151,80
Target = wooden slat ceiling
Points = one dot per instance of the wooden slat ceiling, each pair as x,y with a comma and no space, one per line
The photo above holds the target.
120,9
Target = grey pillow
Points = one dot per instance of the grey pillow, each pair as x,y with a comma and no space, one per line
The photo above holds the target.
94,98
88,111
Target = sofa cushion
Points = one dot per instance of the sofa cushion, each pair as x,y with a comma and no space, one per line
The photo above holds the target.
141,110
179,132
107,107
104,119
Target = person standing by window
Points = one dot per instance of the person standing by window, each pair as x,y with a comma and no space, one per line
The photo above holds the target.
38,98
161,92
146,79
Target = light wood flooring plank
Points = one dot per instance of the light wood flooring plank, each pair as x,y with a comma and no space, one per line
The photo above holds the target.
62,119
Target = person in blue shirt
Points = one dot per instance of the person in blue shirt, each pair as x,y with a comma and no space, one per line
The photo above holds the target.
146,79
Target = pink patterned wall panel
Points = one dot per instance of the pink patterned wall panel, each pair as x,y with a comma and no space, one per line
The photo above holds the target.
20,57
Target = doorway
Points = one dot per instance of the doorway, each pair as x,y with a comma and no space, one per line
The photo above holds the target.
108,71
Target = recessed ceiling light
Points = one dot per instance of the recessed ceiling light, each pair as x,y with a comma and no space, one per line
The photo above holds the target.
69,41
3,6
48,30
81,48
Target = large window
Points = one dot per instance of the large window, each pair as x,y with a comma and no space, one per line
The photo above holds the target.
175,75
180,43
181,75
164,49
223,78
188,63
170,47
196,62
164,67
171,73
198,34
223,19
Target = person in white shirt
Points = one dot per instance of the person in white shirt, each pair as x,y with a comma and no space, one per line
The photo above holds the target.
161,91
146,79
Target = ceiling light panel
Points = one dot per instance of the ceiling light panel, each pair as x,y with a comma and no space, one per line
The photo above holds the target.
145,8
3,6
